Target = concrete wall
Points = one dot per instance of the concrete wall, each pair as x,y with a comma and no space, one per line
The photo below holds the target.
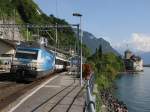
6,49
6,61
10,33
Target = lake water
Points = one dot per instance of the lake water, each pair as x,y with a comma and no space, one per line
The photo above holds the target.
134,91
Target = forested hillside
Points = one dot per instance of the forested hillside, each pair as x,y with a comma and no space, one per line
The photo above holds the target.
28,12
106,67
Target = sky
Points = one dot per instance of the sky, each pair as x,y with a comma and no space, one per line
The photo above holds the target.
124,23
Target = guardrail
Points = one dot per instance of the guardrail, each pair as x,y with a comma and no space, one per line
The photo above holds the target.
90,105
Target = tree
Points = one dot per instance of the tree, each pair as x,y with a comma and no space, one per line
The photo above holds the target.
100,51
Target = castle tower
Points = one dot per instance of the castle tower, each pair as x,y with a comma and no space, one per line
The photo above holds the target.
127,54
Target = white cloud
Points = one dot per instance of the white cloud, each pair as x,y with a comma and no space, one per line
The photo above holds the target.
137,42
141,42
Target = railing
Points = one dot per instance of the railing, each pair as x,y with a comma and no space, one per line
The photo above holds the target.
90,105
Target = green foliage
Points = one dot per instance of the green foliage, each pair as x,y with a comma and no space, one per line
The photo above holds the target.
86,51
98,103
100,51
106,67
1,62
25,12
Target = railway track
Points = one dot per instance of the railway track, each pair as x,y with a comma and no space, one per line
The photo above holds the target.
7,85
51,98
11,90
67,95
68,109
62,98
59,97
8,89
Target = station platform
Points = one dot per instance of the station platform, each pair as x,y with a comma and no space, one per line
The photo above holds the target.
61,93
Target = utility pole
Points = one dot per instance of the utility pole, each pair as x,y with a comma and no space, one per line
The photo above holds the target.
27,33
14,20
56,31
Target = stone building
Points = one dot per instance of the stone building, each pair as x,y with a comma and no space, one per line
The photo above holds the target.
132,62
7,51
127,54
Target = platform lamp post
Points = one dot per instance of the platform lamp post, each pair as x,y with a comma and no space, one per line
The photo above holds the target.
80,16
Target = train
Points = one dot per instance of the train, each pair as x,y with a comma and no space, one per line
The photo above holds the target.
33,61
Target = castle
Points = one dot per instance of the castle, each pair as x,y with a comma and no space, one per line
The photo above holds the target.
132,62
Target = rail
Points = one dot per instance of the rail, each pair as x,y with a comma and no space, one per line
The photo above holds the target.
90,105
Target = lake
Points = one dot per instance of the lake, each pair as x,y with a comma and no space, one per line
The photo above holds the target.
134,91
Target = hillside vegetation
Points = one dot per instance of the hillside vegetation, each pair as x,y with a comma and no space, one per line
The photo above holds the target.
28,12
106,67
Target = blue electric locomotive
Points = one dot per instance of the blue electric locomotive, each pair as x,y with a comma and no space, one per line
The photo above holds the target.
32,61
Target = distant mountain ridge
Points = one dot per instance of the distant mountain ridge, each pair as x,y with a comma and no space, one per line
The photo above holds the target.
92,42
145,57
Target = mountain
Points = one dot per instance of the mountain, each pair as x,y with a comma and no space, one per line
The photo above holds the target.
92,42
28,12
145,57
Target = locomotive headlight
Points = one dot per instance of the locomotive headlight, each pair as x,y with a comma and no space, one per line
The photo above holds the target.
32,64
29,64
16,62
34,68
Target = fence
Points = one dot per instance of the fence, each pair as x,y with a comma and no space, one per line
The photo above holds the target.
90,99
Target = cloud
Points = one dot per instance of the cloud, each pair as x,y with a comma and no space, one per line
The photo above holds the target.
138,42
141,42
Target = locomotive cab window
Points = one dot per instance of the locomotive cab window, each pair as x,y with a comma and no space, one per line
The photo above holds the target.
27,54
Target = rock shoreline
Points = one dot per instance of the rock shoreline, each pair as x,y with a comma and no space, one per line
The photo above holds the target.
111,103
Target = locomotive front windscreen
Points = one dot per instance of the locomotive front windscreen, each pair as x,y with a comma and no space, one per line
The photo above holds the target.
27,54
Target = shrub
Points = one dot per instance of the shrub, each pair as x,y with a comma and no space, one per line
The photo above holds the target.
1,62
